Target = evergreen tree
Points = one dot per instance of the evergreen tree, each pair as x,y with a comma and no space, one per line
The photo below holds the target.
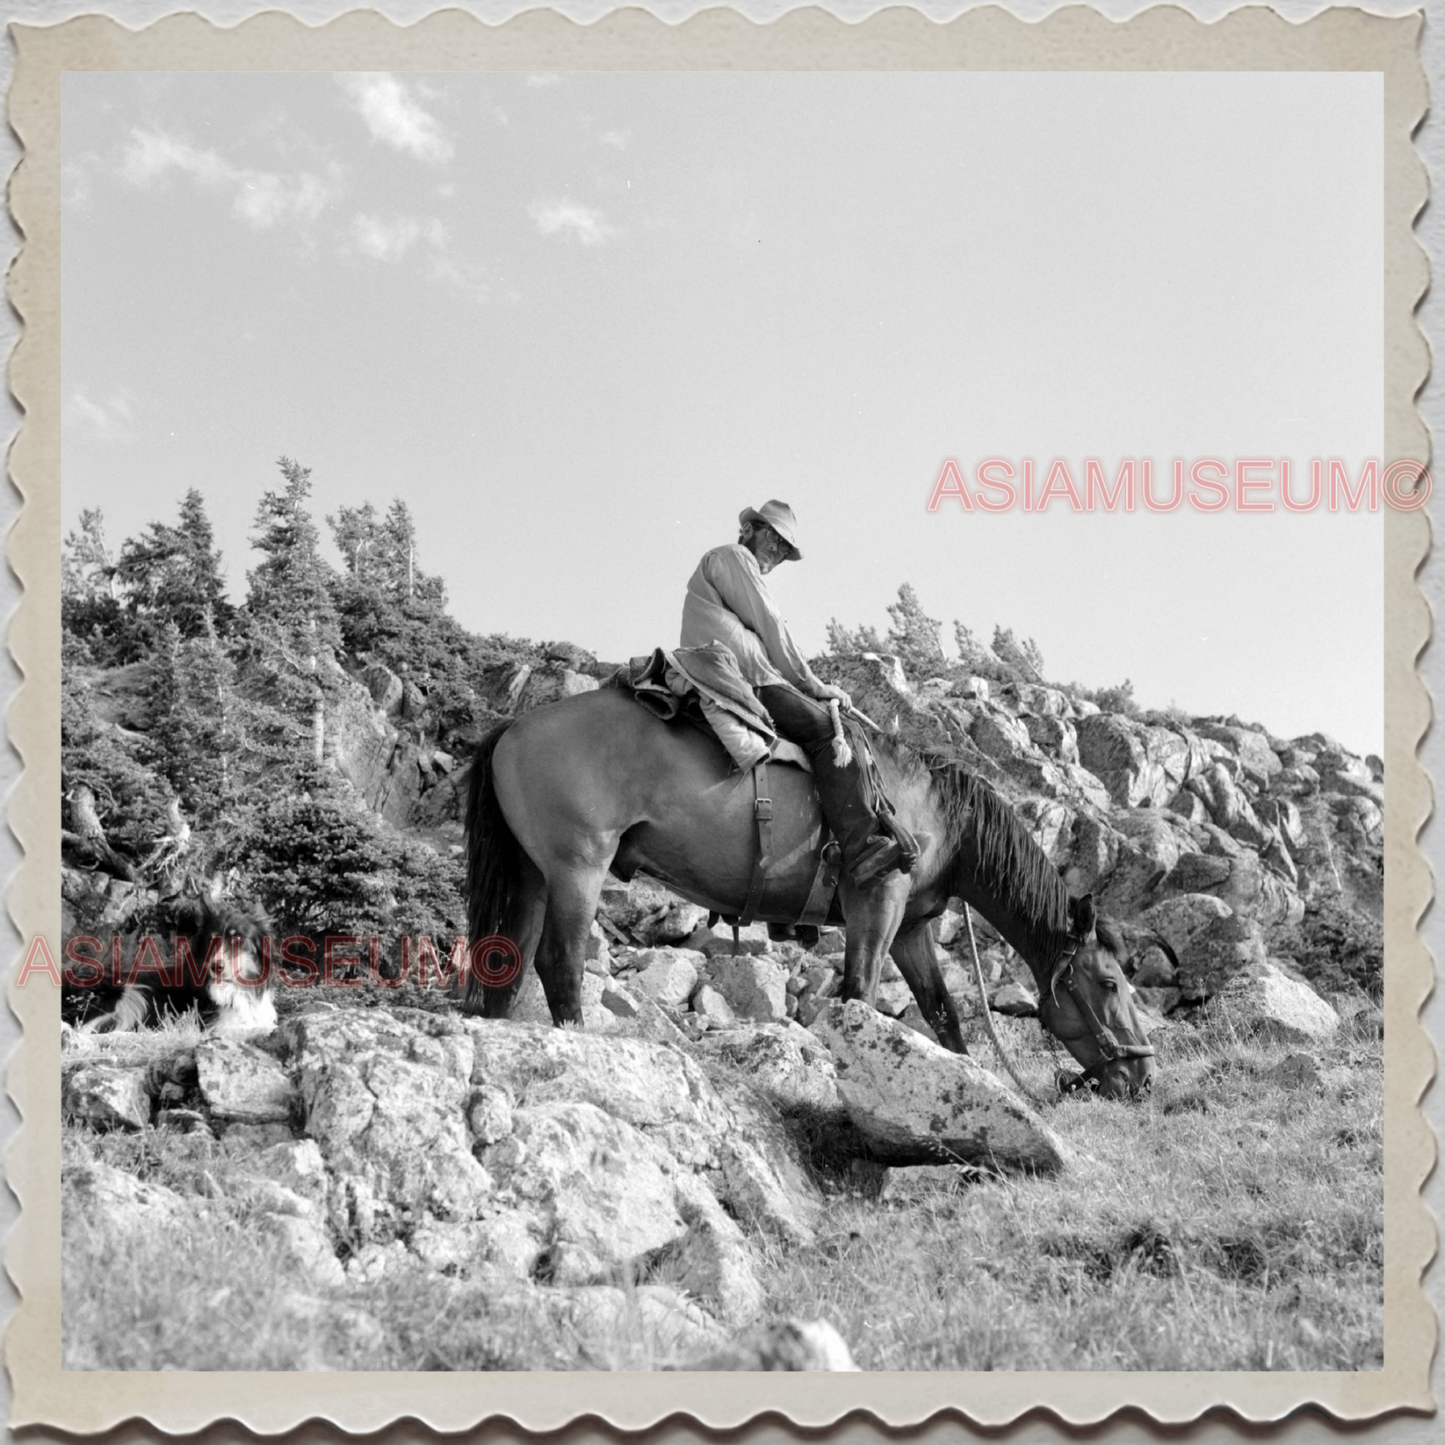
195,740
94,627
87,570
322,865
173,577
101,764
355,532
843,642
1024,657
914,636
291,586
291,607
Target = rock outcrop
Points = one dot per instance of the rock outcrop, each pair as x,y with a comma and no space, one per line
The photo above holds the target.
916,1103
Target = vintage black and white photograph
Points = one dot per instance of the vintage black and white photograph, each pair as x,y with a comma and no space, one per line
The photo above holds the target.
723,721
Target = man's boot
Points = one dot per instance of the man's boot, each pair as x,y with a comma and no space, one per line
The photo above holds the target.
870,847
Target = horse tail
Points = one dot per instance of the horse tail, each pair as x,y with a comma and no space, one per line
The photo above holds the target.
493,854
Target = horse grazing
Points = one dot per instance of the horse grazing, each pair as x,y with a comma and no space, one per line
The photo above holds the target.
199,953
595,783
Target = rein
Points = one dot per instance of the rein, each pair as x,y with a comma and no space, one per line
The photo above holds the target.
988,1015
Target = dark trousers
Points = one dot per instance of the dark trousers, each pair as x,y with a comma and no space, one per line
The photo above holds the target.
843,792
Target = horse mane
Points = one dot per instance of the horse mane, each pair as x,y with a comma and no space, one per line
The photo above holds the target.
1011,865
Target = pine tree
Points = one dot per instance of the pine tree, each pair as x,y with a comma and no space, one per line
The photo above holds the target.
173,575
850,642
1024,657
196,739
290,602
87,570
291,586
355,532
914,636
94,627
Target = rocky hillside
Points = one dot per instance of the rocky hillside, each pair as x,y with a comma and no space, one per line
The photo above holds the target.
1216,845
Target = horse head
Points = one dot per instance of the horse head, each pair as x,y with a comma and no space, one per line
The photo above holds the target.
1089,1008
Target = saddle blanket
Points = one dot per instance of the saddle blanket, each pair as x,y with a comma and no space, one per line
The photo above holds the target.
702,685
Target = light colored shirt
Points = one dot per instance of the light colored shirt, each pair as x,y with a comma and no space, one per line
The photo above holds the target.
728,602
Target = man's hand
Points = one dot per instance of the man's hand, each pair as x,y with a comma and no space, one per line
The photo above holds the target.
829,691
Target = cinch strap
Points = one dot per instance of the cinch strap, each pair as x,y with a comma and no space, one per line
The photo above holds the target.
763,812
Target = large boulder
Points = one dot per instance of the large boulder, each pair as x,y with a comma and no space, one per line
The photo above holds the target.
755,987
668,975
1055,735
1252,747
729,1134
1238,879
385,1097
106,1096
787,1065
483,1148
914,1102
1210,940
1137,764
243,1083
1265,1001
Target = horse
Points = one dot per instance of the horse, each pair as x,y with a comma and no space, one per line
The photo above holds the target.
196,953
594,783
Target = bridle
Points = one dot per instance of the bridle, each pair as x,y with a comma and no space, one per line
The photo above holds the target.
1110,1049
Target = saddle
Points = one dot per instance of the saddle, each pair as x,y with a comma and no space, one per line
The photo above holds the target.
653,681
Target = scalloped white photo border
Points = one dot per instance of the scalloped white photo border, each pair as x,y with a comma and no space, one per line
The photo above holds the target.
1072,39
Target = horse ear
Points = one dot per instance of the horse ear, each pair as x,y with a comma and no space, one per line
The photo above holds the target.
1060,968
1085,915
216,887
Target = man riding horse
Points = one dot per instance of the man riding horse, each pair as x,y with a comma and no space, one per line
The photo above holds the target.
728,605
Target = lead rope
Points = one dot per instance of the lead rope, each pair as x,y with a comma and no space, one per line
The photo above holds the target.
842,752
988,1016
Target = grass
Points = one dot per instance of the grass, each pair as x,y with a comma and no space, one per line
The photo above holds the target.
1228,1223
1233,1221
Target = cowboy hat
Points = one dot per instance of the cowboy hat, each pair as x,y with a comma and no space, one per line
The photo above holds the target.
779,516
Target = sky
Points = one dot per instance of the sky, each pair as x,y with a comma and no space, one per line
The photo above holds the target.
579,321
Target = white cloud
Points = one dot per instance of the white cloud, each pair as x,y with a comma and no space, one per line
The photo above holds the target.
394,118
390,240
564,216
265,199
111,420
75,187
617,138
393,238
473,280
151,154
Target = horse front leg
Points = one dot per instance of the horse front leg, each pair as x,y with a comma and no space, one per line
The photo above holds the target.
873,913
913,952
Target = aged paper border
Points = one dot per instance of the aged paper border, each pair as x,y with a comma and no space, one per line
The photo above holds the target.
1160,39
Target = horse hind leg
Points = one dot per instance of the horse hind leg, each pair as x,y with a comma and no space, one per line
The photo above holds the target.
522,924
571,906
